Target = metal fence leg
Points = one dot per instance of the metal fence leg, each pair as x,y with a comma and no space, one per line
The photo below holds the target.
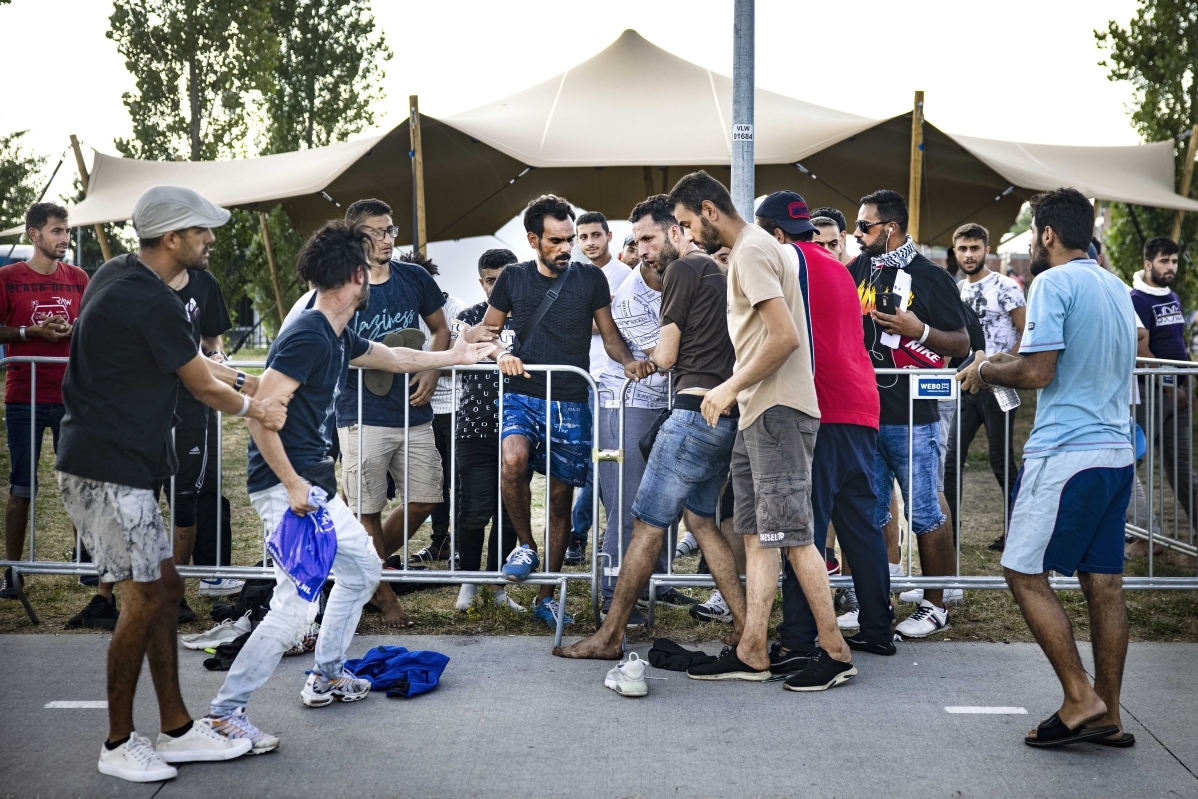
19,584
561,616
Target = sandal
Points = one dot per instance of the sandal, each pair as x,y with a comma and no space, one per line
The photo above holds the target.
1052,732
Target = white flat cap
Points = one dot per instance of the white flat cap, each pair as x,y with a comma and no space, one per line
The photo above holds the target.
162,209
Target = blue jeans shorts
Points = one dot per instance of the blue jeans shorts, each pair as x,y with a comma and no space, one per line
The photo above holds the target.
891,462
16,416
569,435
687,468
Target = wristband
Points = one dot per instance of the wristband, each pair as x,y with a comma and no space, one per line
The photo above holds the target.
927,329
22,332
980,365
245,406
239,383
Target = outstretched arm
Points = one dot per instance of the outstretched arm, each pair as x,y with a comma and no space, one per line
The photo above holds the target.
402,359
617,347
197,375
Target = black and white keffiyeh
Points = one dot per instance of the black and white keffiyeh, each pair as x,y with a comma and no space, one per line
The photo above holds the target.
897,258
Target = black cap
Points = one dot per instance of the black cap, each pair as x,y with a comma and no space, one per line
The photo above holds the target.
789,210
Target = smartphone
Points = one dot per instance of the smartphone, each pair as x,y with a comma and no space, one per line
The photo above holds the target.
887,303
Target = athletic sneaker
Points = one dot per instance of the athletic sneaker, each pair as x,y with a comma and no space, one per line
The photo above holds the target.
628,677
952,596
727,667
636,619
787,661
844,600
520,564
575,552
821,673
466,596
896,570
319,692
429,555
236,726
714,609
833,567
223,633
999,544
135,760
547,609
8,586
502,600
849,621
221,587
200,744
926,620
686,545
99,613
305,640
672,597
186,614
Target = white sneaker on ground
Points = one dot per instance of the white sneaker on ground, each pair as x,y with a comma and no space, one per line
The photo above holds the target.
237,726
223,633
505,601
686,546
952,596
200,744
135,760
926,620
628,677
714,609
466,596
319,692
848,621
221,587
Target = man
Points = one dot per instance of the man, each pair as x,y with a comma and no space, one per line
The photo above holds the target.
398,420
1079,350
132,344
689,462
478,450
998,303
39,302
928,327
594,239
842,466
831,232
721,256
629,255
779,416
1159,308
560,337
309,362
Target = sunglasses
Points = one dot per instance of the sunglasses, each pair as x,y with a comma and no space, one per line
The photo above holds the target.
379,235
865,227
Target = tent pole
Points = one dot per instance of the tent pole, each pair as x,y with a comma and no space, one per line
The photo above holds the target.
419,232
101,236
274,270
1187,175
743,59
916,167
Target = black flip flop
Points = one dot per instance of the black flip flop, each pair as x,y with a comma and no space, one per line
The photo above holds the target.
1122,742
1052,733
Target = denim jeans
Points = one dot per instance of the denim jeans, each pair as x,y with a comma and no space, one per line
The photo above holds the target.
580,518
891,463
357,569
16,418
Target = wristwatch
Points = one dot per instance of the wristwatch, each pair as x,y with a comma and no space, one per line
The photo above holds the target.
239,383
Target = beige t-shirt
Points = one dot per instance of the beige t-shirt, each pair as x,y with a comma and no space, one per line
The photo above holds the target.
758,270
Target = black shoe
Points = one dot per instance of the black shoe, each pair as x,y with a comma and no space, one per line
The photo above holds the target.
575,552
727,667
822,673
429,555
672,597
8,586
636,619
186,614
99,613
787,661
845,601
857,643
999,544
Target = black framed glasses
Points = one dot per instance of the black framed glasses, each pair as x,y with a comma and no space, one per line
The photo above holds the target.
380,234
865,227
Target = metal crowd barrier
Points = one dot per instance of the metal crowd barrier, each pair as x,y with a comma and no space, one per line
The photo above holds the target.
1157,380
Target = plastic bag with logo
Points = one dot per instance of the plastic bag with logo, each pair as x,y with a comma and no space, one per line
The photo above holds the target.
305,546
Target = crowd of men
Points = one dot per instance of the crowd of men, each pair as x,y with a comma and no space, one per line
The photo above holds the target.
744,356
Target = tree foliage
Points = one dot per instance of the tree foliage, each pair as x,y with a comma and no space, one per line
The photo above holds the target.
20,179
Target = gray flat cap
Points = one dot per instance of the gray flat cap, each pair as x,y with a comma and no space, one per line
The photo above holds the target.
165,208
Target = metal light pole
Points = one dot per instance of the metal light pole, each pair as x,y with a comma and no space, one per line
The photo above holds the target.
742,108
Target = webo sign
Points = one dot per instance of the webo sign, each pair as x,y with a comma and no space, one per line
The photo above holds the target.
935,387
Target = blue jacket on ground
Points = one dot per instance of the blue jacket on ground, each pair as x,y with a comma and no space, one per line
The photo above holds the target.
399,672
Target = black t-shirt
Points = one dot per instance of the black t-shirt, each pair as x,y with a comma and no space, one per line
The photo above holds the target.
563,336
478,397
205,306
695,298
934,299
308,351
120,387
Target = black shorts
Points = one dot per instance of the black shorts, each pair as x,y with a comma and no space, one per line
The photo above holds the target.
191,449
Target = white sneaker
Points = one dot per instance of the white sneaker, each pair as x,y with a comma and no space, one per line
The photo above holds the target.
135,760
466,596
687,545
200,744
505,601
628,678
848,621
896,570
223,633
221,587
714,609
237,726
305,640
926,620
319,692
952,596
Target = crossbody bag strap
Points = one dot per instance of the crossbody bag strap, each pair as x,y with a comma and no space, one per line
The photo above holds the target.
550,297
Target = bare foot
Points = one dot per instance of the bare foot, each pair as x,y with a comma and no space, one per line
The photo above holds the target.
396,618
1110,719
1074,717
590,648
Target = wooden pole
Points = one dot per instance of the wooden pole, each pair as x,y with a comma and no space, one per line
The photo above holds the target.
419,232
1187,175
916,167
274,270
101,236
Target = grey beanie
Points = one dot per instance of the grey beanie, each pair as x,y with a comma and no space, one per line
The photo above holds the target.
162,209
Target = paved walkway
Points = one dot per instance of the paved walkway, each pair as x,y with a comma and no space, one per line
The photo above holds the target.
512,721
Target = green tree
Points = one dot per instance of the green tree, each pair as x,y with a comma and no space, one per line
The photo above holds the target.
1157,53
20,179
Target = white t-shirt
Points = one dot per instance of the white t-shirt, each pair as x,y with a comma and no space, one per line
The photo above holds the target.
442,401
993,298
637,312
616,273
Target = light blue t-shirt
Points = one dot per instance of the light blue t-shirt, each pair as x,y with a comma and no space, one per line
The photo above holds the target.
1084,312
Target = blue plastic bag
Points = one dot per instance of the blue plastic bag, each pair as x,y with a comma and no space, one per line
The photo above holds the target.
305,546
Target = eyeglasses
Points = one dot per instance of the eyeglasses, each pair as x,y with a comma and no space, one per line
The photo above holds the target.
865,227
379,235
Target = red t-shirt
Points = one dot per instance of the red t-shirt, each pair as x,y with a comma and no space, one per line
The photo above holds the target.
26,298
844,377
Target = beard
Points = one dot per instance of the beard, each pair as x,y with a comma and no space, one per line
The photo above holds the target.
1040,262
971,269
557,264
666,255
363,296
878,247
1162,278
709,237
